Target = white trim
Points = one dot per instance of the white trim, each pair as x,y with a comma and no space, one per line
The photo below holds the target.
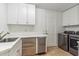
46,45
36,45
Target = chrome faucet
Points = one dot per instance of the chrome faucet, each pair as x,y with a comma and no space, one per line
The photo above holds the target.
1,37
1,33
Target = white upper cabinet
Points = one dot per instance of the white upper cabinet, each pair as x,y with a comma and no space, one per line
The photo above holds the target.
66,18
12,13
22,14
19,13
31,14
70,17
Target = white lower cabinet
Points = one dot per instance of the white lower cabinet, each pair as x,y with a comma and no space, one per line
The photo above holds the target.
16,50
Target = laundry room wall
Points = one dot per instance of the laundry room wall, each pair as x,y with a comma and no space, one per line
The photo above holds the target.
3,17
47,21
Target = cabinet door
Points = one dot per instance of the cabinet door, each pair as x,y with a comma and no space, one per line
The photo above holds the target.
31,14
12,13
28,46
70,17
41,44
65,19
22,13
74,15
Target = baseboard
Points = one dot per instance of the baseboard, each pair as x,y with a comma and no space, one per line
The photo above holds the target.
49,45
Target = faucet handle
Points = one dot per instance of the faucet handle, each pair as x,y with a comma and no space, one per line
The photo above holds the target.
3,35
1,32
7,33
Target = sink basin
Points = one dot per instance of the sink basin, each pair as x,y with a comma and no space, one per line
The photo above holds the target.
9,40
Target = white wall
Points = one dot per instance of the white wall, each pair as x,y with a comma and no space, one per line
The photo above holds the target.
47,21
20,28
3,17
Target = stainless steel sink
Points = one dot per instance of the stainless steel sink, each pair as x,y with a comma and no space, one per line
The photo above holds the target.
9,40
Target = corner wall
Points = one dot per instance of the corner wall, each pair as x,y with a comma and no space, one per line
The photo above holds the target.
3,17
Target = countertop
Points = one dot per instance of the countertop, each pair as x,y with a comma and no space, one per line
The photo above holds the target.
5,47
25,35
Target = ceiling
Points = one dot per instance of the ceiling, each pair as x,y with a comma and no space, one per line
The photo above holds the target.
55,6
